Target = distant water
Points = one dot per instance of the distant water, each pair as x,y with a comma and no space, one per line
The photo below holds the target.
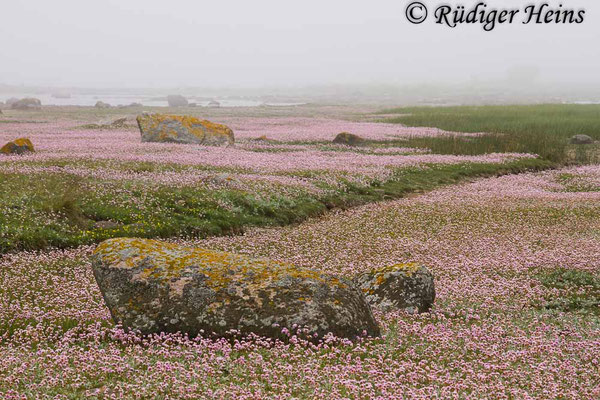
126,99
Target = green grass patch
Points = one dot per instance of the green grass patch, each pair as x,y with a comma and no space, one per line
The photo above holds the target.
574,290
537,129
60,210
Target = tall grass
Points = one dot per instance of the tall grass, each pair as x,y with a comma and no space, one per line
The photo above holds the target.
538,129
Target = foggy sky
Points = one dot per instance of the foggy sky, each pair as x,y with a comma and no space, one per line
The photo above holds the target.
151,43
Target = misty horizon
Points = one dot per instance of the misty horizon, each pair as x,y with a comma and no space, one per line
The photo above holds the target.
263,44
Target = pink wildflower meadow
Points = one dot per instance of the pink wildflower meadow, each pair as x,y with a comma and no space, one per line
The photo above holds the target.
59,140
486,337
320,129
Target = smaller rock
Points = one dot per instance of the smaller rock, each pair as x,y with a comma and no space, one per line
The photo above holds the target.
136,105
61,95
213,103
118,123
348,139
176,100
107,225
101,104
581,139
11,101
18,146
28,103
407,287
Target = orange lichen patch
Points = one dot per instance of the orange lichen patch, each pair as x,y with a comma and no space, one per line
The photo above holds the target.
24,142
17,146
166,261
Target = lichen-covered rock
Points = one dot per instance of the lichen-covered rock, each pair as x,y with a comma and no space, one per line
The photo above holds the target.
18,146
28,103
581,139
407,287
183,129
153,287
213,103
176,100
348,139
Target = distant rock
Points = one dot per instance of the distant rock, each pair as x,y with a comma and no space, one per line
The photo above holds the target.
263,138
118,123
407,287
348,139
155,287
18,146
176,100
12,100
213,103
28,103
581,139
183,129
101,104
60,95
136,105
107,225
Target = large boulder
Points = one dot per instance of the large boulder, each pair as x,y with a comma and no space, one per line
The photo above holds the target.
348,139
18,146
11,101
183,129
177,100
408,287
581,139
154,287
28,103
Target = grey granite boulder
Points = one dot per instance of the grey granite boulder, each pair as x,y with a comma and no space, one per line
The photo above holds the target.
28,103
348,139
408,287
101,104
581,139
176,100
154,287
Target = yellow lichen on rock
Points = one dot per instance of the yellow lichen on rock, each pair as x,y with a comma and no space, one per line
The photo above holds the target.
18,146
183,129
407,268
166,261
